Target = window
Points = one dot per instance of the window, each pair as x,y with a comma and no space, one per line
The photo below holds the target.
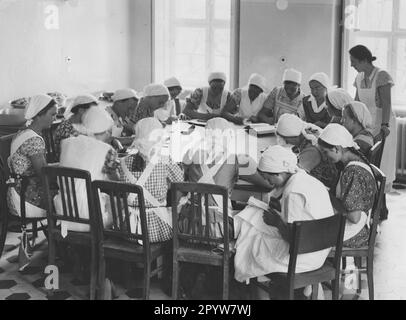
381,26
191,39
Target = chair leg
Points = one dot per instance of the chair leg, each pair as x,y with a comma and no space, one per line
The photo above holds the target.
370,277
344,263
3,234
101,277
93,274
147,280
175,279
51,258
315,291
358,264
335,289
226,282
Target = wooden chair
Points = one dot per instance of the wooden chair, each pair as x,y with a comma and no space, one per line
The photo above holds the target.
66,178
195,243
376,152
49,138
368,251
9,222
375,157
307,237
118,241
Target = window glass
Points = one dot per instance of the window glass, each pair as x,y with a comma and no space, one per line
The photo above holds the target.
400,74
375,15
402,14
189,9
222,9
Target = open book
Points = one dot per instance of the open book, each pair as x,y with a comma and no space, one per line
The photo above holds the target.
253,202
261,128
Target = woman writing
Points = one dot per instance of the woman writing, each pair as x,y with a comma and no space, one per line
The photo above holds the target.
154,172
27,157
314,105
356,188
73,125
358,121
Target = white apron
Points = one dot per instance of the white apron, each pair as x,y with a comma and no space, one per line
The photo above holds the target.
160,209
368,96
250,109
92,158
204,108
282,107
352,229
260,249
31,211
208,177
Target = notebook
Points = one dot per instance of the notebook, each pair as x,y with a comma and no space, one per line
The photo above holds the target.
261,128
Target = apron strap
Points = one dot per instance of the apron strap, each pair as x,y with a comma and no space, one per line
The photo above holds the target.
160,208
223,102
19,141
366,167
208,176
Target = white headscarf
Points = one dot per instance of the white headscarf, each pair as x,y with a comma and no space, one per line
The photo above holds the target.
362,114
96,120
258,80
339,98
217,76
219,124
80,100
321,78
277,159
290,125
216,130
148,134
155,89
172,82
292,75
337,135
124,94
36,105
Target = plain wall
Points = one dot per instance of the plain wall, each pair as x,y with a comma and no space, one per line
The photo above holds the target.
110,44
306,35
95,34
141,43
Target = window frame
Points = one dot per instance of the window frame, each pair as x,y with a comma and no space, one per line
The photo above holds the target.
210,24
392,36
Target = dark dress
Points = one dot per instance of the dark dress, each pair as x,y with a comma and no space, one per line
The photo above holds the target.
321,118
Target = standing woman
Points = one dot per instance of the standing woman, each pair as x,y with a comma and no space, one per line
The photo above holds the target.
374,89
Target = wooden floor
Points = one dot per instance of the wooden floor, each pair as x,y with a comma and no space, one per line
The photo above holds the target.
390,268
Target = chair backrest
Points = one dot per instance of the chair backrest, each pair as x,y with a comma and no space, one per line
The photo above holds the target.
315,235
50,146
5,147
376,152
197,222
3,192
118,194
377,205
68,179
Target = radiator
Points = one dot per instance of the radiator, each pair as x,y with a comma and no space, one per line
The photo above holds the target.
401,149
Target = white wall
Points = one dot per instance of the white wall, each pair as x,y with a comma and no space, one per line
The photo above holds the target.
306,34
141,43
94,33
110,43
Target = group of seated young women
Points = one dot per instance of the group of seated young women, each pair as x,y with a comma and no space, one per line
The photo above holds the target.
318,167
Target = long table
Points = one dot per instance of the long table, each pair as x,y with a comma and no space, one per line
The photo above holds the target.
245,143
